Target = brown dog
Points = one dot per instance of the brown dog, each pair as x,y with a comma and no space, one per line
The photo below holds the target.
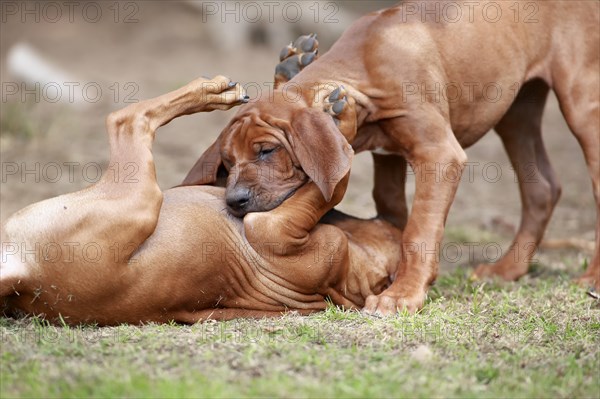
122,251
413,91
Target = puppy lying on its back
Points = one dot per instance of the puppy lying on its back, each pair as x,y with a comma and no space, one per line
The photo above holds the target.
122,251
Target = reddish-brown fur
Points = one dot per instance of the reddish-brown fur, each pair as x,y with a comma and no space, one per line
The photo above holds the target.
388,61
122,251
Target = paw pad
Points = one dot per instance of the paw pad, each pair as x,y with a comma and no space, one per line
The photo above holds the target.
336,102
295,56
306,43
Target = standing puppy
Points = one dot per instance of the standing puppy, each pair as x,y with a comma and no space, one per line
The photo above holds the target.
409,87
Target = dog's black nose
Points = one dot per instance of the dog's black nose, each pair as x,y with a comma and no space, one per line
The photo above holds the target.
238,199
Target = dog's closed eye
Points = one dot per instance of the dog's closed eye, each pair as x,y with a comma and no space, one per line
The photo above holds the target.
266,151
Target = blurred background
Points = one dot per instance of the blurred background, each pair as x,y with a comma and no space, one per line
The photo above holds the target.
65,66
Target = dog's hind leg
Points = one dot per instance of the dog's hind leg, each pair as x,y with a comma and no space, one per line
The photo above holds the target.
577,94
389,188
131,176
520,131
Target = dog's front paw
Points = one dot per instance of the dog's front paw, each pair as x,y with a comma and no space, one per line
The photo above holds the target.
219,92
388,303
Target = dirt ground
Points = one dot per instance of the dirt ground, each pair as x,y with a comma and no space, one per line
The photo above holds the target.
173,43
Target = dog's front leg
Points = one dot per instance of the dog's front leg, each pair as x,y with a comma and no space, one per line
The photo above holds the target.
286,230
438,160
131,132
200,95
313,255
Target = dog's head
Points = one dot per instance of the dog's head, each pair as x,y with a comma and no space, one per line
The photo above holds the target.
275,145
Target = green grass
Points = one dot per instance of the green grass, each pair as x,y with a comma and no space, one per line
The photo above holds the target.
537,338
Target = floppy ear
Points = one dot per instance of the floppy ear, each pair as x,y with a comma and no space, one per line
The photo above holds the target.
321,149
208,168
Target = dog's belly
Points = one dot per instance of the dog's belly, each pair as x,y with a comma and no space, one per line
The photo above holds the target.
168,273
197,259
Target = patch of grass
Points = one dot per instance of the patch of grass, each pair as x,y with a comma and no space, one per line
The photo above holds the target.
535,339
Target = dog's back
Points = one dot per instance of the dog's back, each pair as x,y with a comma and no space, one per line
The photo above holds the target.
469,59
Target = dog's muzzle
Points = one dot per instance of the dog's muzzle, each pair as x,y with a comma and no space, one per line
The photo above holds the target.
238,200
